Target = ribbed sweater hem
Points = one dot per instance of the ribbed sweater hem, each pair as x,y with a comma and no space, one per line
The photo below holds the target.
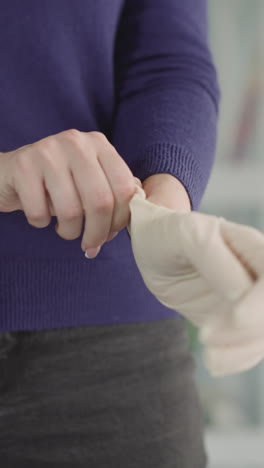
42,294
177,161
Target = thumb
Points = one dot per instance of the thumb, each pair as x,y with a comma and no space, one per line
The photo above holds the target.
137,181
138,195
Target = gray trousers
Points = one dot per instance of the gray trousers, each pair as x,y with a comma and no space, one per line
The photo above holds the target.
120,396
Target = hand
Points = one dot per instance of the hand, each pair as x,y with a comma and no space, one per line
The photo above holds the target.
211,271
235,342
69,175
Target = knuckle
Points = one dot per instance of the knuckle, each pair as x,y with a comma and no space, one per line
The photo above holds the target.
98,136
104,202
125,189
74,139
71,215
68,235
38,219
72,134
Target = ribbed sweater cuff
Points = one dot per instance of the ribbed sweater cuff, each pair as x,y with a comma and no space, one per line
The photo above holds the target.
175,160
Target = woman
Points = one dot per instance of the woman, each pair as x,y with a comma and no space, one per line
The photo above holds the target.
95,98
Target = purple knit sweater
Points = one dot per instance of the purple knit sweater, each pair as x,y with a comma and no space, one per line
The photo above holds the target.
137,70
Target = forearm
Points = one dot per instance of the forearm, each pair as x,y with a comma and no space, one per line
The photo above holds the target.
166,93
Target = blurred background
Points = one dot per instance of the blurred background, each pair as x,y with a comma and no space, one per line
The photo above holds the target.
234,406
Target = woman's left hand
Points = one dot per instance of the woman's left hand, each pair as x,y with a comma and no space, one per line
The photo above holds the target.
208,269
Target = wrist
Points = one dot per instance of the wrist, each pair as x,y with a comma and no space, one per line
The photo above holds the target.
166,190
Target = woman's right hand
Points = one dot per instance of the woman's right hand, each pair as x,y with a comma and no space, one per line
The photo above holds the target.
70,175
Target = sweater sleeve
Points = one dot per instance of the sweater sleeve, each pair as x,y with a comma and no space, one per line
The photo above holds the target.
167,92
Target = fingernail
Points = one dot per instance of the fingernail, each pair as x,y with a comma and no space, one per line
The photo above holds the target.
112,235
92,252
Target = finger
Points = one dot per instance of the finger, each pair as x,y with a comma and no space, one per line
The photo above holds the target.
32,195
247,243
66,203
97,200
112,235
229,360
50,205
134,204
137,181
213,258
121,182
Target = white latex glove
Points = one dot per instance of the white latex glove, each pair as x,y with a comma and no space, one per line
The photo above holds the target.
211,271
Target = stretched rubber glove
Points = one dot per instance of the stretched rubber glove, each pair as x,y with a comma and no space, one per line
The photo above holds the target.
211,271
